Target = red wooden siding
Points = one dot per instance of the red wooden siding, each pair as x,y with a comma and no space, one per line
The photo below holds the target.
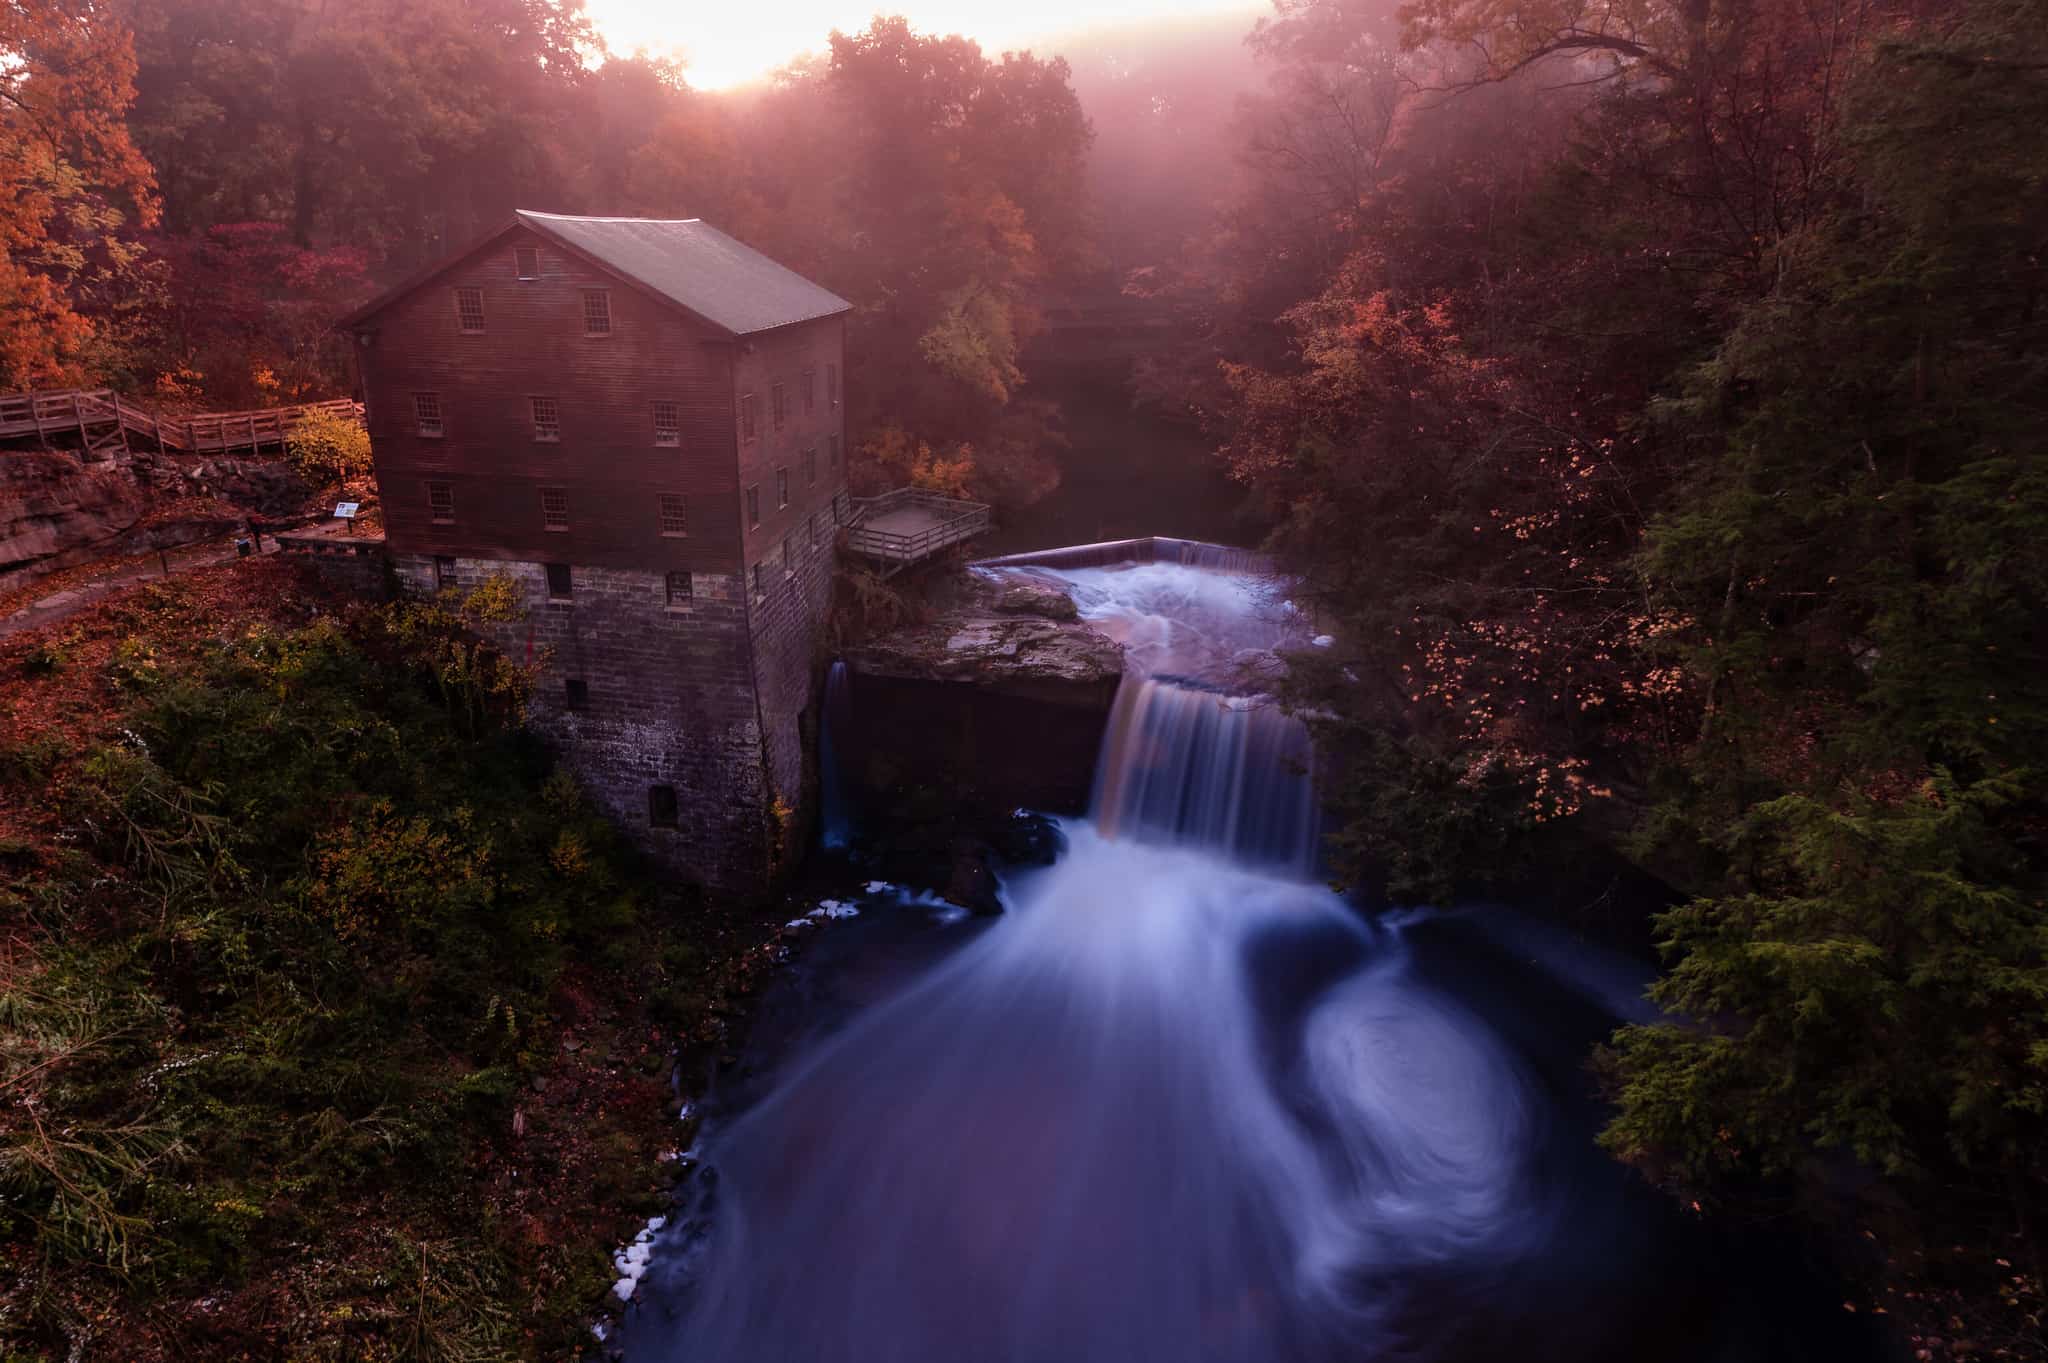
781,357
534,343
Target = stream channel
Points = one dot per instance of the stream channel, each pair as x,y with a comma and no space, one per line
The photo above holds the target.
1183,1104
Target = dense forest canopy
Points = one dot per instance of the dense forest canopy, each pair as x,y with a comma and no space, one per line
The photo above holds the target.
1649,397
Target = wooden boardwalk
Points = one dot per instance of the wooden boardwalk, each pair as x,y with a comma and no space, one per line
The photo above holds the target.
101,424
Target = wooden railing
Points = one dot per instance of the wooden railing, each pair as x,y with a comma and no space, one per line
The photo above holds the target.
938,523
102,421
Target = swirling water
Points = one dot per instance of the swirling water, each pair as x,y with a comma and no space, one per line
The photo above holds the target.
1181,1104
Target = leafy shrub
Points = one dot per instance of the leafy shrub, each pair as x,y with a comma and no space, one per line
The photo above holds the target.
328,447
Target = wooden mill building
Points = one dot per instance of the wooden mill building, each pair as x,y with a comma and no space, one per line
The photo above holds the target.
641,424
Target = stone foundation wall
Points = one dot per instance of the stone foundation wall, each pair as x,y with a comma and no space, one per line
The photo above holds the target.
355,566
788,618
668,702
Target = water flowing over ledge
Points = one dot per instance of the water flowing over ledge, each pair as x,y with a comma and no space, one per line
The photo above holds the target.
1180,1104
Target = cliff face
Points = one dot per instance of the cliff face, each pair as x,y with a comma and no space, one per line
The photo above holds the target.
57,510
52,505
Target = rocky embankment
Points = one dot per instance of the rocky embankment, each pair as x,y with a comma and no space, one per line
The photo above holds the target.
57,510
1017,636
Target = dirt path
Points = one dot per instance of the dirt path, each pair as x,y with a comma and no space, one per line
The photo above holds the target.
50,602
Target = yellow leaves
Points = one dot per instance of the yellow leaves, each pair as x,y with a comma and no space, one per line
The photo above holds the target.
908,459
975,342
570,856
379,868
325,447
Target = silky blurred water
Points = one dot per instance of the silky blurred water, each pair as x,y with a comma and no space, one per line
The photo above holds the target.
1181,1104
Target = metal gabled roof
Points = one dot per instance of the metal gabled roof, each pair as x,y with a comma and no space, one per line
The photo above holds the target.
714,277
694,265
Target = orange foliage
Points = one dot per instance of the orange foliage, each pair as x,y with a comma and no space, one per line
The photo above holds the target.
67,75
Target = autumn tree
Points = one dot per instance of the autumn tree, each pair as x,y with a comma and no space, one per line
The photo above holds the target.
962,195
71,181
1862,555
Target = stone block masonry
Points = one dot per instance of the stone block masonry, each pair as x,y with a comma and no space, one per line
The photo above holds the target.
685,719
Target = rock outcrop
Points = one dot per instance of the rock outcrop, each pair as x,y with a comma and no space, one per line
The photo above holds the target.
1018,636
995,703
57,510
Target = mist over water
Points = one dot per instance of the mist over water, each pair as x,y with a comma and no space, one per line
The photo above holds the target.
1181,1103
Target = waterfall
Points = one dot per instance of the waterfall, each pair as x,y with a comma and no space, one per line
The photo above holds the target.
835,813
1179,1104
1191,765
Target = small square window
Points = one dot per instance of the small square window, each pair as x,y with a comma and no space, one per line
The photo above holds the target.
754,507
426,409
444,572
668,424
778,405
576,692
561,585
832,385
750,417
526,261
832,450
661,806
469,310
810,391
781,488
811,467
554,508
597,312
788,557
675,519
681,589
441,503
547,419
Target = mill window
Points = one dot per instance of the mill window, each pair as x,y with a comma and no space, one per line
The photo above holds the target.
778,405
576,693
788,557
668,424
441,503
832,385
426,409
597,312
554,508
444,573
754,507
547,420
469,310
810,390
814,530
526,261
760,581
561,585
661,806
681,589
675,519
832,450
811,467
781,488
750,417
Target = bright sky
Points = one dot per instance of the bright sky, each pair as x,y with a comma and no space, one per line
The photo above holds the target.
730,42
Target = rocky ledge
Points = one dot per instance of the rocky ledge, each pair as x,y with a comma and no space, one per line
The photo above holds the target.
1016,635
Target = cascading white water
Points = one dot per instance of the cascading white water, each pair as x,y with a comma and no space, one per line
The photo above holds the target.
1184,764
1179,1105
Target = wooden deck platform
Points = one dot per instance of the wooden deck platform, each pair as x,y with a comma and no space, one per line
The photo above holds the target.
902,528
